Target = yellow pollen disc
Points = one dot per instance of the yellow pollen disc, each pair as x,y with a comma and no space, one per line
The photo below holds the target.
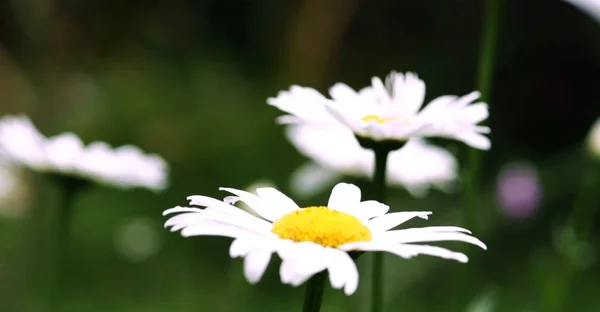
377,118
321,225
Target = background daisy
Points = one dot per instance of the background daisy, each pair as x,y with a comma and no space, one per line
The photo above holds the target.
65,154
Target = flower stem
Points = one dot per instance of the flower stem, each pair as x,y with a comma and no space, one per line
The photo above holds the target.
69,189
314,292
379,179
485,73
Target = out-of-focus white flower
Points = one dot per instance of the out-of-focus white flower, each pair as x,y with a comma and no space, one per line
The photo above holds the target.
312,239
593,140
138,239
126,166
591,7
335,152
518,189
390,112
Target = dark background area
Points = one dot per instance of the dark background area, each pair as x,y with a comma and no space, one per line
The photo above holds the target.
189,80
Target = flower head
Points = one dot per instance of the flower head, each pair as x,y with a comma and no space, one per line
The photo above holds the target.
126,166
312,239
335,152
390,112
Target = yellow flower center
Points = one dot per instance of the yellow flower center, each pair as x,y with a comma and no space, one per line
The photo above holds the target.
321,225
377,118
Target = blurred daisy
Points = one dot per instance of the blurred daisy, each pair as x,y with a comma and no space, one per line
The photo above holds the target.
312,239
591,7
126,166
335,152
390,112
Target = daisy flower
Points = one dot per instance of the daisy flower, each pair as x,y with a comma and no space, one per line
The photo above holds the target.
334,152
312,239
65,154
389,112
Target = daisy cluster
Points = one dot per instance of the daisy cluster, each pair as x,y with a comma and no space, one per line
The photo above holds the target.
337,133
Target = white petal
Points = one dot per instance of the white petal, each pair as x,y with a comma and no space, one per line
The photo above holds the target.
368,209
306,104
333,147
407,251
419,236
475,140
255,264
476,113
276,200
215,229
257,204
187,221
342,271
297,270
378,245
64,151
350,119
22,143
180,209
341,92
234,213
344,196
391,220
409,93
436,252
241,246
380,91
441,229
436,108
419,165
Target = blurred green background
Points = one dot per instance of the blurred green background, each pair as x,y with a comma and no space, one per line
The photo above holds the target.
188,79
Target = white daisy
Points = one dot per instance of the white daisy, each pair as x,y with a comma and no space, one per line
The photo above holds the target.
126,166
391,112
335,152
312,239
591,7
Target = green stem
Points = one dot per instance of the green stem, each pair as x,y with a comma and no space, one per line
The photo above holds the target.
471,174
314,292
69,190
379,179
484,84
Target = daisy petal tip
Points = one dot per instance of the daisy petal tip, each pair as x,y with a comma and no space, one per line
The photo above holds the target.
253,280
462,259
350,288
171,210
425,215
476,94
231,200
